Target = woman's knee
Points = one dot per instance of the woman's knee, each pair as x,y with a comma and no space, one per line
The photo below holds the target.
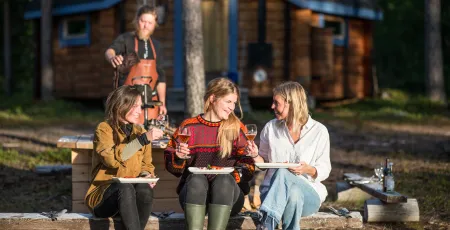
126,189
282,172
224,180
197,184
295,195
144,190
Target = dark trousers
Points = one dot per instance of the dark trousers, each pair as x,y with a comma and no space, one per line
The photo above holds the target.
132,201
223,190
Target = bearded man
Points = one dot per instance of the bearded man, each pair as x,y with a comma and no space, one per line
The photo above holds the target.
149,54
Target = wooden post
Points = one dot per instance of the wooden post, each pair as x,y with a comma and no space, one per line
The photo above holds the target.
46,50
377,211
7,48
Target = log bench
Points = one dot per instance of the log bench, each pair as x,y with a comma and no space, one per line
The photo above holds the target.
79,221
379,206
165,199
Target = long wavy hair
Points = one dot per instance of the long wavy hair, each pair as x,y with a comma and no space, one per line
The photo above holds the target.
118,104
294,94
229,128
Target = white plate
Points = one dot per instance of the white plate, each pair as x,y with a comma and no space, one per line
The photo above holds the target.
134,180
276,165
196,170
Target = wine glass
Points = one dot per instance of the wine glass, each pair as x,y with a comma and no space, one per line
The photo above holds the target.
163,123
379,168
252,130
183,137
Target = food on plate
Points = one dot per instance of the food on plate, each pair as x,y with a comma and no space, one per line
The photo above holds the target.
211,167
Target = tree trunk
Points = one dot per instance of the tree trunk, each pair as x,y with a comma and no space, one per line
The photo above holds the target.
46,50
195,69
7,48
433,51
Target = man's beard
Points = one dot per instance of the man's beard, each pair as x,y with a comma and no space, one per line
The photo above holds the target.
144,35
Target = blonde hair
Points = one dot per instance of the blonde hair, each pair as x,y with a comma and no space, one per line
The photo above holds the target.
229,128
294,94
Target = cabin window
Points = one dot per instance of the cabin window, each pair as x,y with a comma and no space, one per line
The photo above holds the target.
75,31
339,27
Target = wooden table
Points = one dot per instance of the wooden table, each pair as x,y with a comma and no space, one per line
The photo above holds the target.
165,196
389,206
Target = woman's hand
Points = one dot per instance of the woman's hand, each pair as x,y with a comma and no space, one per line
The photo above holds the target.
154,134
182,151
151,184
252,149
303,168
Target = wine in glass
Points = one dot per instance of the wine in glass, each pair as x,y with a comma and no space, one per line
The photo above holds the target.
252,130
183,137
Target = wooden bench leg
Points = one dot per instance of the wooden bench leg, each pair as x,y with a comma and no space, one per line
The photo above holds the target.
377,211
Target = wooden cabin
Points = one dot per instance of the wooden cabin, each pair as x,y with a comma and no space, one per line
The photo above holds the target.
324,44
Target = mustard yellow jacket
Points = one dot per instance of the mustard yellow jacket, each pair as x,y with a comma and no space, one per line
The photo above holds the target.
107,162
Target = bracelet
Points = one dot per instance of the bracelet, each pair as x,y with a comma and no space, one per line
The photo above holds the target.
255,156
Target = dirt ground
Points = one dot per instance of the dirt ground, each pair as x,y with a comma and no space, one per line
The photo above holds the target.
356,147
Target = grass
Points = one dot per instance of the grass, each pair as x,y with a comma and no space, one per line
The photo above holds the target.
19,110
395,107
25,160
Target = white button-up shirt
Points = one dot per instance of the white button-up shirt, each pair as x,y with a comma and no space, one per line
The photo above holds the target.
277,146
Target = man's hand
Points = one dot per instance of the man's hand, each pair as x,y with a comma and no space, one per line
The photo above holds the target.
116,60
162,110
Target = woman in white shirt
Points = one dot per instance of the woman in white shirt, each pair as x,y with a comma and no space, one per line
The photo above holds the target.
293,137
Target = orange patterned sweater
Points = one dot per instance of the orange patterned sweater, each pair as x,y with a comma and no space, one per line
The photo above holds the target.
204,151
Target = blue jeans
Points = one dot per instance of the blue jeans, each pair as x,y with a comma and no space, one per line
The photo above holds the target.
289,198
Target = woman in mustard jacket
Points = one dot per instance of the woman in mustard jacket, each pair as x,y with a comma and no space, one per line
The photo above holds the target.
122,149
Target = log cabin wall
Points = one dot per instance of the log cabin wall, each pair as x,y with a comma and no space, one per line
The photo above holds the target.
355,80
248,33
300,68
81,71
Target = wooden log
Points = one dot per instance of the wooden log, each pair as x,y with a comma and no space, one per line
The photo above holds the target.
50,170
347,193
377,211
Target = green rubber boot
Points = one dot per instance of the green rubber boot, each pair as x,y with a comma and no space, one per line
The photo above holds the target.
194,215
218,216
